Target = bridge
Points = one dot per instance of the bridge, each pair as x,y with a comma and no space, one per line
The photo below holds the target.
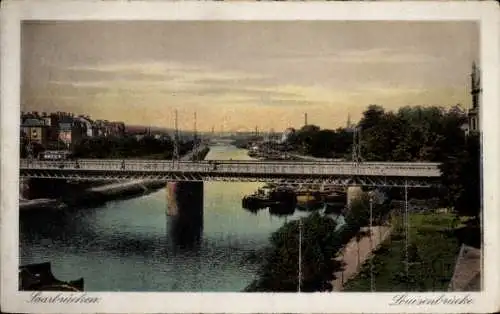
220,141
280,172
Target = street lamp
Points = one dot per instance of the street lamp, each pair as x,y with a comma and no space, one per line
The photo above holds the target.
465,128
372,283
300,254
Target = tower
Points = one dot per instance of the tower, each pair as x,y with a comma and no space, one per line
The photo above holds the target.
475,94
348,121
305,118
475,85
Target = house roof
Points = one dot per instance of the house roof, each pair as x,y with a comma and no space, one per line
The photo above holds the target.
33,122
65,125
66,120
85,119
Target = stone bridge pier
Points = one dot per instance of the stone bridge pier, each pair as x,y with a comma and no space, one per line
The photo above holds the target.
185,212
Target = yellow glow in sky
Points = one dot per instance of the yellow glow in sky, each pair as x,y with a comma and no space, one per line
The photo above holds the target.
239,75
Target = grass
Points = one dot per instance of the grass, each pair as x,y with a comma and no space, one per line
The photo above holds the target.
433,249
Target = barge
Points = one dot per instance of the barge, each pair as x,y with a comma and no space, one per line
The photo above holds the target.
270,197
39,277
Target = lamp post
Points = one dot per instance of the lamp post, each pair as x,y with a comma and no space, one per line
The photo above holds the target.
372,283
300,255
465,128
407,228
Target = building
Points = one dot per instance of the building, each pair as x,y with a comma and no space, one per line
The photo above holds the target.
90,130
34,130
116,128
71,131
474,111
109,128
52,121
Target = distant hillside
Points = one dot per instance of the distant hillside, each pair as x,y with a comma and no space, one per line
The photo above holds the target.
139,129
134,129
143,128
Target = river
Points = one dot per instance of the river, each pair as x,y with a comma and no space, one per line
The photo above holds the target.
125,245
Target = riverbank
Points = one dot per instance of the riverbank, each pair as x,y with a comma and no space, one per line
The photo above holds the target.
39,203
94,196
198,153
432,254
100,193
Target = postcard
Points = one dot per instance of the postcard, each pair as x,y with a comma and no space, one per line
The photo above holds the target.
222,157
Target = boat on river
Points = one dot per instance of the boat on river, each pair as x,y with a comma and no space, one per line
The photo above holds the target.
39,277
270,197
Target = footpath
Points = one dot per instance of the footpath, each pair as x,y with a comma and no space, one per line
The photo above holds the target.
349,255
311,158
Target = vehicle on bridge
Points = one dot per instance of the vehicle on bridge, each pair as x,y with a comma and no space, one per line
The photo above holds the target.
56,155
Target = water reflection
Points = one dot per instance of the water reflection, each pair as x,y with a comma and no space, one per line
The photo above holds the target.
129,245
280,210
185,214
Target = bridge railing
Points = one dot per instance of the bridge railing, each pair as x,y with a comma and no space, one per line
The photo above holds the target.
242,168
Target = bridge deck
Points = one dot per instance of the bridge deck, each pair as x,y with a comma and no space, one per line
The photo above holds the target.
235,168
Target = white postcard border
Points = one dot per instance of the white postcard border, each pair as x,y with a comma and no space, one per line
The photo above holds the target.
14,12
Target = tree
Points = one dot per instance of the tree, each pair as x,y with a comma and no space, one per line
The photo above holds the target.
461,175
305,137
128,146
279,270
322,144
371,117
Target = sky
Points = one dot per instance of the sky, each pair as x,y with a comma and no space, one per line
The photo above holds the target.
240,75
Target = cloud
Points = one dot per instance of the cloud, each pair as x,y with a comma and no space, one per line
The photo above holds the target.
178,80
384,55
148,93
376,55
165,70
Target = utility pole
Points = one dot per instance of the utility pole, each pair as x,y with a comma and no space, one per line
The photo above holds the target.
356,145
372,283
305,119
195,136
407,229
300,254
176,139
